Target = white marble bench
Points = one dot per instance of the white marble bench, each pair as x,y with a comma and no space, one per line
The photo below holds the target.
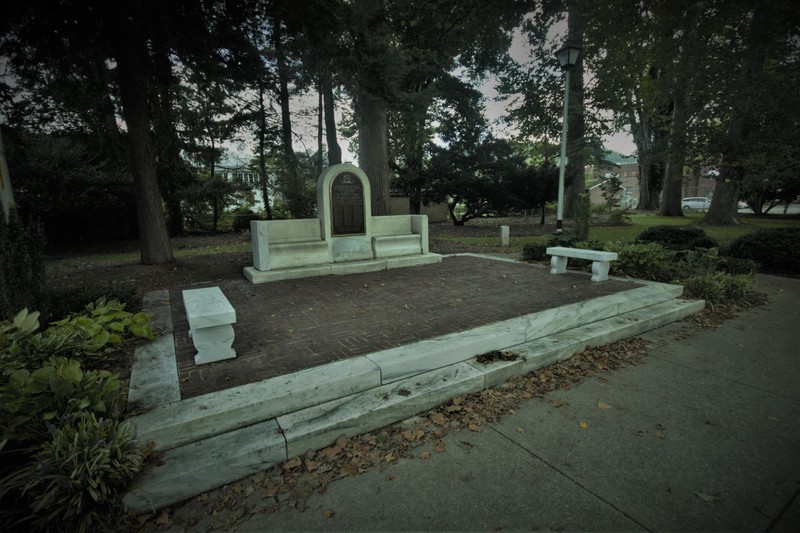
210,316
600,260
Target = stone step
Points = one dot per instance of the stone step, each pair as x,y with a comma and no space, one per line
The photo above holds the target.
177,423
196,467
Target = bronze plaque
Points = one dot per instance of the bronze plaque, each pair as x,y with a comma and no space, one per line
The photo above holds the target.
347,205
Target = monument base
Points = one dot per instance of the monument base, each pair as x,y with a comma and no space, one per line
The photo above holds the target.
255,276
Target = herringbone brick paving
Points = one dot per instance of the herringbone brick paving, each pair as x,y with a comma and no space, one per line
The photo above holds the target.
286,326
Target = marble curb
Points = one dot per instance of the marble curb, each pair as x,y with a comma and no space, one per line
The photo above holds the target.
193,419
191,469
169,422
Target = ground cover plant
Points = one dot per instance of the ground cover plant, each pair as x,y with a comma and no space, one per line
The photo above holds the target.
68,454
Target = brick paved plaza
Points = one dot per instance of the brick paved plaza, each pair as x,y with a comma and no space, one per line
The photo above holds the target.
287,326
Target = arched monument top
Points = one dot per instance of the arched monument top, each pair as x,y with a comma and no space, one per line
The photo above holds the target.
343,201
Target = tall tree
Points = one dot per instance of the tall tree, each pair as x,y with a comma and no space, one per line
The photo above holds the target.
155,247
576,132
680,81
734,149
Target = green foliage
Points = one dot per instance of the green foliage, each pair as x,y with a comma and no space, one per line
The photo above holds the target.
64,302
534,251
77,476
583,214
21,265
76,189
66,454
619,218
677,237
719,287
775,249
91,337
611,187
56,393
643,261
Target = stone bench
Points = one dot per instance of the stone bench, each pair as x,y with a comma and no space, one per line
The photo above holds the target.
600,260
396,245
210,316
288,244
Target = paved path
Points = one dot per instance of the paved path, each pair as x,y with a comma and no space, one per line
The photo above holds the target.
705,436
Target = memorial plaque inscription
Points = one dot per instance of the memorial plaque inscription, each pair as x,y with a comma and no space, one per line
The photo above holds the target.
347,205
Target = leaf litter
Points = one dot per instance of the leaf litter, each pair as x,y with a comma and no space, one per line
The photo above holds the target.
291,484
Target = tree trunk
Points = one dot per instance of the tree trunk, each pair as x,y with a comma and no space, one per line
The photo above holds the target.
262,156
373,157
172,174
320,132
576,129
334,150
154,241
371,108
283,91
676,157
673,181
723,208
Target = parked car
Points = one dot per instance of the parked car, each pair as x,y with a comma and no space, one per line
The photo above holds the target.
742,205
697,203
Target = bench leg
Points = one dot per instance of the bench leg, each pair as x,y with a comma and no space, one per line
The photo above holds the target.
600,270
558,264
213,344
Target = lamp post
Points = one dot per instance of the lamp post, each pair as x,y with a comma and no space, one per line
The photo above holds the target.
567,56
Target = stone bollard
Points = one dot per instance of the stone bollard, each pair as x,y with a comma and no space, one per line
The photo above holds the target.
504,235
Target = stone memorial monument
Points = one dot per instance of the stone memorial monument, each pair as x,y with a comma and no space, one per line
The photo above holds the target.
344,238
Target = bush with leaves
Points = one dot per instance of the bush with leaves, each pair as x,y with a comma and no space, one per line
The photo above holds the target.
92,337
66,453
76,477
721,288
65,302
643,261
677,237
21,265
534,251
775,249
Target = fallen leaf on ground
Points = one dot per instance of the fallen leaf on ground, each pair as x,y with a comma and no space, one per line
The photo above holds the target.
329,513
603,405
584,425
464,444
520,430
425,455
659,435
708,497
439,419
475,427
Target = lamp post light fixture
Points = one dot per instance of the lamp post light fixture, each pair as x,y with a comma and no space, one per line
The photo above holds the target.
567,56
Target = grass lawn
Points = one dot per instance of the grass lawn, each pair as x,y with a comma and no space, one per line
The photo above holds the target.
724,235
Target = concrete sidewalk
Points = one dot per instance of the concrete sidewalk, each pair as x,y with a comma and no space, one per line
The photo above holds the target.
705,436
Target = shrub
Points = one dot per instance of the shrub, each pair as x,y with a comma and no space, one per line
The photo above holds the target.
534,252
91,337
721,288
77,476
677,237
643,261
775,249
736,265
64,302
241,222
21,265
582,216
58,391
619,218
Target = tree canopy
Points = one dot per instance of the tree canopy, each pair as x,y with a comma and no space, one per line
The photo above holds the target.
143,100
